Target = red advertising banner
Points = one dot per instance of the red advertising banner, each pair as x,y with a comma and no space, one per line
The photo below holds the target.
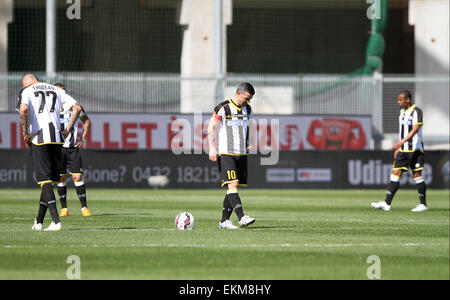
189,131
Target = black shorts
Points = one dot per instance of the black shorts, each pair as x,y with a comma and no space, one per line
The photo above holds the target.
72,161
232,169
47,162
412,160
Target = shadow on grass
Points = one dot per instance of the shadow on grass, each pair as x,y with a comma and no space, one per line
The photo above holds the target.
115,229
268,227
121,214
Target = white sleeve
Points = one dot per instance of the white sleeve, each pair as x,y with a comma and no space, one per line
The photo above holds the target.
67,101
25,99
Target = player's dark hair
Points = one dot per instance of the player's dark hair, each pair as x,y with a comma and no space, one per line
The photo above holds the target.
245,87
60,85
406,94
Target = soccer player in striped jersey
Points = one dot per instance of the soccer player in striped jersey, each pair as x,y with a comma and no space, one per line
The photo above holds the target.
409,153
234,118
39,109
72,160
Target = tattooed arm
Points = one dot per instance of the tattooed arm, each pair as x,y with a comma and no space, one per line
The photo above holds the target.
76,109
212,145
24,124
87,126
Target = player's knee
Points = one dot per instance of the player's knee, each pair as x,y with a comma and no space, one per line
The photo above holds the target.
417,175
77,178
397,172
62,178
395,175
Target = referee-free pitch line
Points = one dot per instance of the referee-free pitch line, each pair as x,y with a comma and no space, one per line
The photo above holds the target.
101,229
359,220
284,245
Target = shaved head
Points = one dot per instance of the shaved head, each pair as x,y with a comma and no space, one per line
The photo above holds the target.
28,79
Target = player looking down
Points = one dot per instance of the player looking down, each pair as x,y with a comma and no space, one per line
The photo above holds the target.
234,118
39,106
72,160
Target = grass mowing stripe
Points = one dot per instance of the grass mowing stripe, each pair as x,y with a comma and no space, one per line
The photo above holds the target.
227,245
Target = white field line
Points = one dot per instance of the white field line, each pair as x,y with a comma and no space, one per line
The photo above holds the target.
288,220
94,217
360,220
286,245
322,227
100,229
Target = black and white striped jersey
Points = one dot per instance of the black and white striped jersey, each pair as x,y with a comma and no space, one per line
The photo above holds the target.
19,100
409,117
233,127
71,139
45,103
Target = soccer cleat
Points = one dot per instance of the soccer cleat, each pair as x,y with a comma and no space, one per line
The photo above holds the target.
85,212
36,226
64,212
53,227
420,208
227,225
381,205
245,221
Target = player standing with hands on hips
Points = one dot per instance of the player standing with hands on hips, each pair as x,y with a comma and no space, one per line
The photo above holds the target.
235,120
409,153
72,160
40,105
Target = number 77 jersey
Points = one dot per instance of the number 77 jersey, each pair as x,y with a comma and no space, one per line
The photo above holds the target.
45,103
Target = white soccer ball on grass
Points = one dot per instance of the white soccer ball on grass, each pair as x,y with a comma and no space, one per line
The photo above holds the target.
185,221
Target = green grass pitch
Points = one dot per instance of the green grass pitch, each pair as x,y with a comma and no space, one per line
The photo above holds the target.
299,234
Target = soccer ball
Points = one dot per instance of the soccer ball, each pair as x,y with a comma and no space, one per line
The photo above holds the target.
185,221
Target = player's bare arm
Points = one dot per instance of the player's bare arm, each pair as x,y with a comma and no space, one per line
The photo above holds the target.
251,134
24,124
211,139
86,127
413,132
76,109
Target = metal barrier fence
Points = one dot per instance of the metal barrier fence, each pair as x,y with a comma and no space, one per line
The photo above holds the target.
107,92
430,93
305,94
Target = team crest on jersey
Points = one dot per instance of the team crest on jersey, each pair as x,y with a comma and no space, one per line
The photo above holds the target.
245,116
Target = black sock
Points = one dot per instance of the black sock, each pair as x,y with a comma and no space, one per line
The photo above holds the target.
422,189
227,209
47,189
42,209
62,193
391,190
81,192
237,205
